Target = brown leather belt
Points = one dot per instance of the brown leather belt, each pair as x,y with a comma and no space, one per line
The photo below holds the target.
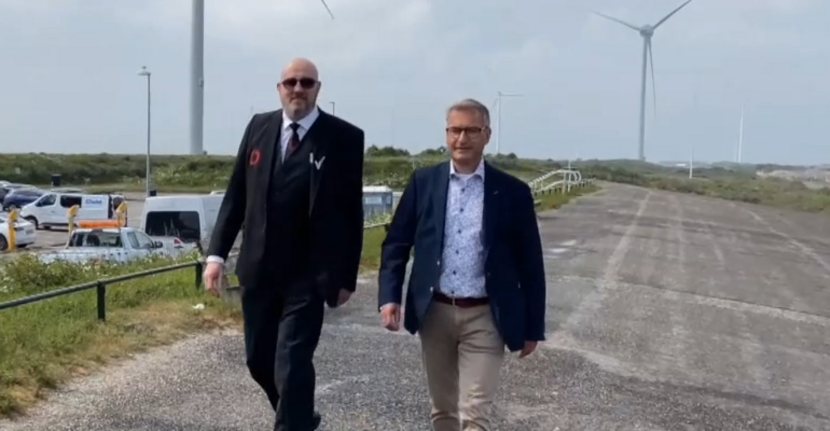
460,302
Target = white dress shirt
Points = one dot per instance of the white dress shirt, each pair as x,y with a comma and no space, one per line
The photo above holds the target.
285,136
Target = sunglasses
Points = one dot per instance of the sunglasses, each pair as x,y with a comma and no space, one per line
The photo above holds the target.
306,83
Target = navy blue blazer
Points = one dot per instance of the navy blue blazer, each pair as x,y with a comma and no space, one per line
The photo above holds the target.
514,264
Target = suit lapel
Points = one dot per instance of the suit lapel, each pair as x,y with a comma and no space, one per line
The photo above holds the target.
491,204
319,142
442,183
269,147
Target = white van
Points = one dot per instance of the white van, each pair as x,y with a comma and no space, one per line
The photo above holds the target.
50,209
188,217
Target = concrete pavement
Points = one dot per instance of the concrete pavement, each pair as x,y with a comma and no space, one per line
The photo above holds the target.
665,312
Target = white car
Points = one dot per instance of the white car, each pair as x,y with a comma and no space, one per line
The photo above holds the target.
24,233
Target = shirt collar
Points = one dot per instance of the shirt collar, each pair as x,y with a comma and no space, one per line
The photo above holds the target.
479,169
305,122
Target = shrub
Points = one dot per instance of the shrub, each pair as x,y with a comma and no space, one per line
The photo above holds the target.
25,274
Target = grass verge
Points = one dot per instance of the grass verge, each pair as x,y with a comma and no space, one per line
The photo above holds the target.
553,200
44,344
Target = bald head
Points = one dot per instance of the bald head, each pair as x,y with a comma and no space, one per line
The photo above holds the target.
299,86
301,66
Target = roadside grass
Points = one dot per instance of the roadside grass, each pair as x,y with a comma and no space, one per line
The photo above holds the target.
44,344
554,200
742,184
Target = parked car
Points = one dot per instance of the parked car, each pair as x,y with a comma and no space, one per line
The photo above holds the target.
18,198
7,187
112,244
24,233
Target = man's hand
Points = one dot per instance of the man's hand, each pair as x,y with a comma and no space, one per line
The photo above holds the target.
390,316
530,346
213,276
343,297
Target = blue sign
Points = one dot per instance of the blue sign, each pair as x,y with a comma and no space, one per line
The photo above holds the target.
93,201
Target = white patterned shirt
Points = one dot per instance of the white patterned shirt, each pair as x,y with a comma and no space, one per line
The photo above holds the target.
462,274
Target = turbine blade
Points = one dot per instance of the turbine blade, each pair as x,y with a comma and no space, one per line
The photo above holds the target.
672,13
653,84
329,10
631,26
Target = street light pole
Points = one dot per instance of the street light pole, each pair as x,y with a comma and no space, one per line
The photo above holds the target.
332,107
145,72
197,78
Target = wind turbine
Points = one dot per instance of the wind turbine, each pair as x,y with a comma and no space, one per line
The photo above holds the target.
197,75
646,31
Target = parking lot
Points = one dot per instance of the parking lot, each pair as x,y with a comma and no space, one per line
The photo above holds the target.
57,237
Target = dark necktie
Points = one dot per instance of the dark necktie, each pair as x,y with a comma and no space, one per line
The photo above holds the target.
294,142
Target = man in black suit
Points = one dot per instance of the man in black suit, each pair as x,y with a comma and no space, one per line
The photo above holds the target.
478,277
296,190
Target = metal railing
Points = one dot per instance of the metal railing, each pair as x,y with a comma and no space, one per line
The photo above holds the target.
101,285
571,178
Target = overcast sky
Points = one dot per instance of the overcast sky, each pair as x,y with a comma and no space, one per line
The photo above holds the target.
68,81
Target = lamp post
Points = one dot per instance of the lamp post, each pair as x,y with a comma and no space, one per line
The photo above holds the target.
145,72
332,107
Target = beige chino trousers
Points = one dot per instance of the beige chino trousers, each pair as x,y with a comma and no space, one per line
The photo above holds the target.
462,355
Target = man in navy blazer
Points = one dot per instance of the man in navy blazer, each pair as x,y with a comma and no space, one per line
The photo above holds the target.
478,280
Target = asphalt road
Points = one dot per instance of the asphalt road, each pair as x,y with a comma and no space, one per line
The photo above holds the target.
665,312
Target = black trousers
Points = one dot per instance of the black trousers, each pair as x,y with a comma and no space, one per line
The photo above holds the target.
282,328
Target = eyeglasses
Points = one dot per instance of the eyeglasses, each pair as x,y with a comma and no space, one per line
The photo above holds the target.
306,83
471,132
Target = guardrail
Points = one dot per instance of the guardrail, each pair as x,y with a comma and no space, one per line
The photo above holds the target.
101,285
571,178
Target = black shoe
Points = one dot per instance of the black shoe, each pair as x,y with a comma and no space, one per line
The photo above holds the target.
317,419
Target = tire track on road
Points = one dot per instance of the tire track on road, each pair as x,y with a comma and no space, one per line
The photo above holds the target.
801,247
593,301
679,347
746,351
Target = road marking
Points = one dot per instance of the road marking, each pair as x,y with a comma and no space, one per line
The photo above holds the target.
592,302
737,305
805,250
680,342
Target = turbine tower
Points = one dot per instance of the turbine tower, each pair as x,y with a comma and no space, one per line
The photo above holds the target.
646,31
197,75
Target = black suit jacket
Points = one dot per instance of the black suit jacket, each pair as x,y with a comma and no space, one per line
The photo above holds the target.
335,209
514,265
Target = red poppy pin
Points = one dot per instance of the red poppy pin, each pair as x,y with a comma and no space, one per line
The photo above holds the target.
254,159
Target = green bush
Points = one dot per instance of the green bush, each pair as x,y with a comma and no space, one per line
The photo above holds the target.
25,274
